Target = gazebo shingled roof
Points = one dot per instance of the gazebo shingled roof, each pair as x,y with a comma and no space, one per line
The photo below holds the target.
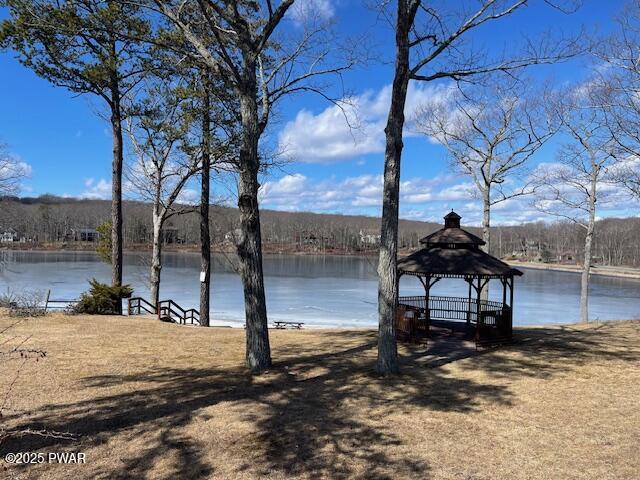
452,235
455,262
454,252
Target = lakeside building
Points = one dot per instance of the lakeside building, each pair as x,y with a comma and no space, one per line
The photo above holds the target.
84,235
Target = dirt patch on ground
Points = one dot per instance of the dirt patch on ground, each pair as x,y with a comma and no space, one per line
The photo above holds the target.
154,400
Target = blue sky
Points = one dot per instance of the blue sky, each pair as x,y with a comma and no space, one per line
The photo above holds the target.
332,169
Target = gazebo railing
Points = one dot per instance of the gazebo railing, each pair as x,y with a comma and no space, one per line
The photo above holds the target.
453,308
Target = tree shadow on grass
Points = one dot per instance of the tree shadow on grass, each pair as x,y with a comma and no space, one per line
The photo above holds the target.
307,413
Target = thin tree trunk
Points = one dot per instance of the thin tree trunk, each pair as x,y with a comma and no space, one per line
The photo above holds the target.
486,231
588,240
388,258
116,189
258,352
486,219
156,256
205,239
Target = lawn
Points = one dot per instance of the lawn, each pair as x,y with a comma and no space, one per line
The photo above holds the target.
146,399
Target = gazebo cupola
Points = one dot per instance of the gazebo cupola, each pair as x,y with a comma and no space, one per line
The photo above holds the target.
452,236
452,220
453,252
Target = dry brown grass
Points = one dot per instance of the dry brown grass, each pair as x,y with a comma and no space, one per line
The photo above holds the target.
153,400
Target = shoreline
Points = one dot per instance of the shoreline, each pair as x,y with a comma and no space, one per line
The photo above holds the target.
194,249
374,328
601,270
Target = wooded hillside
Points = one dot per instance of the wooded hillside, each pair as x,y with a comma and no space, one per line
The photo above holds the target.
50,221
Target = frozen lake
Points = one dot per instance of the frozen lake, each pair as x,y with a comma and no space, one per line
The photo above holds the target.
336,291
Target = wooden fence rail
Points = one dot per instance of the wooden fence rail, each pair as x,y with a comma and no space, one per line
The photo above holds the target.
57,303
137,305
452,308
171,311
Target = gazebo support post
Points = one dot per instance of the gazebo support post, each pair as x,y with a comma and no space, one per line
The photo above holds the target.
426,283
505,314
427,312
511,307
504,291
470,282
478,309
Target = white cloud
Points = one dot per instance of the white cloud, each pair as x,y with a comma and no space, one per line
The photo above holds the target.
189,196
426,199
15,168
303,10
13,171
297,192
100,190
356,127
363,195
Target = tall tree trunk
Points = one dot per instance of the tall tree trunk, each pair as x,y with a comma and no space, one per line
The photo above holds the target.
388,257
258,352
205,238
588,241
116,188
156,256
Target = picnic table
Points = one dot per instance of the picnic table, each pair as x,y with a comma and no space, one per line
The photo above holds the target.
282,325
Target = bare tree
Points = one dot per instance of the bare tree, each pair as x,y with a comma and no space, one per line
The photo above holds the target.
490,133
238,41
163,165
572,187
12,172
429,46
620,52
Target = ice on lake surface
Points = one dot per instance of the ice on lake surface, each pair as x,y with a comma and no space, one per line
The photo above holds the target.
323,291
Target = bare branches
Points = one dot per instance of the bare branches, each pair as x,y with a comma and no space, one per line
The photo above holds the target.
619,95
474,20
274,19
443,33
12,172
573,186
158,129
490,134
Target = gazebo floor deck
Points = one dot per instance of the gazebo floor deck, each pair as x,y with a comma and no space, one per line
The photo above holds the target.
448,341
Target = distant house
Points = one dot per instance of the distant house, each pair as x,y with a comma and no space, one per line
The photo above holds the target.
170,235
368,238
567,257
9,235
85,235
532,250
310,238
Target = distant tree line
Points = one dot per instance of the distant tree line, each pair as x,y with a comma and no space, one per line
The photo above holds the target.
49,220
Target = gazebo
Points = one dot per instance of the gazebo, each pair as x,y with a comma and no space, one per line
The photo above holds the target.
452,252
